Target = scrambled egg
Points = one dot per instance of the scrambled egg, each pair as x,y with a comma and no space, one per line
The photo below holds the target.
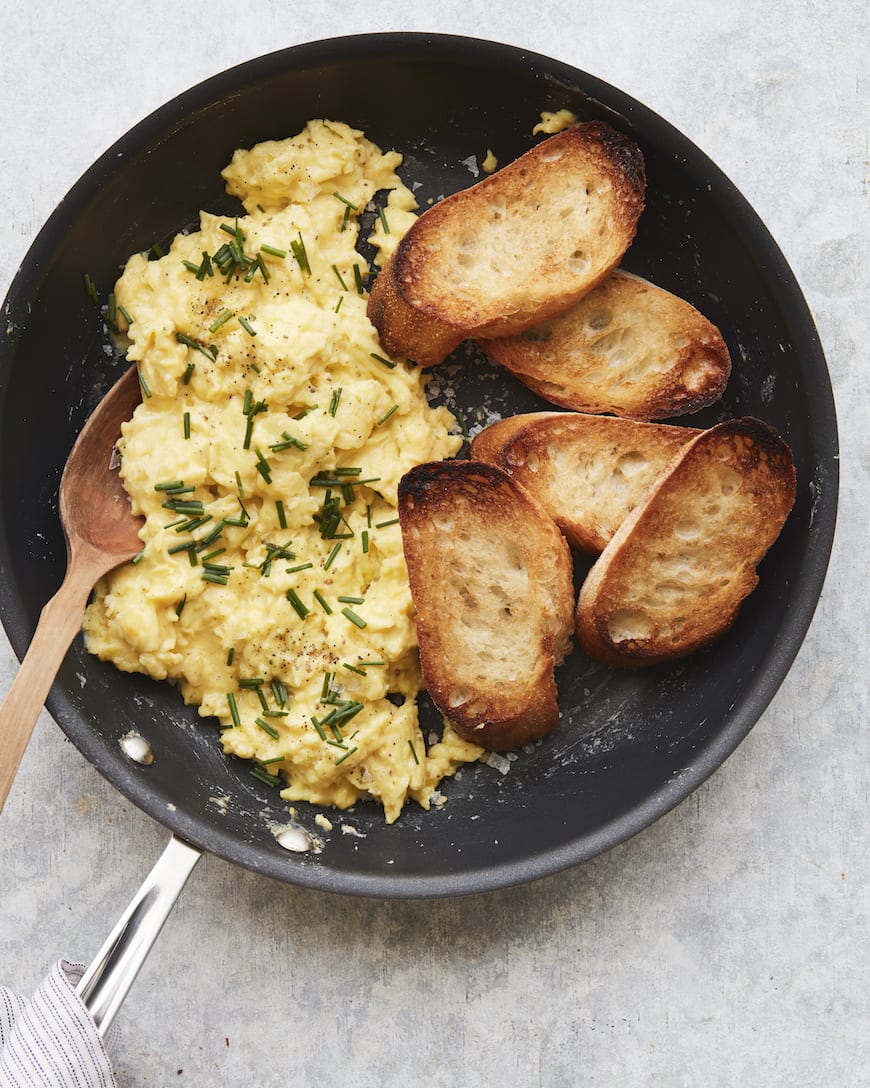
265,457
552,122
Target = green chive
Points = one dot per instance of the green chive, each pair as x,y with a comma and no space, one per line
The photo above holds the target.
384,418
273,733
382,215
299,566
279,692
333,404
356,620
346,755
179,608
125,314
264,776
300,254
352,668
335,269
357,276
222,320
381,359
346,202
91,290
365,541
352,600
146,390
247,326
231,653
298,606
413,751
273,251
187,424
330,558
282,517
321,600
234,710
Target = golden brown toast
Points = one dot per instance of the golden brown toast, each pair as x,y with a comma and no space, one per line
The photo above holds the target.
588,472
491,580
513,249
674,575
627,347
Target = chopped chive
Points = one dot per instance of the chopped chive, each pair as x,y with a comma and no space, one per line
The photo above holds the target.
139,556
158,250
346,755
321,600
300,254
263,466
413,751
357,276
385,417
352,600
273,733
211,555
372,664
251,683
269,762
352,668
289,441
179,608
299,566
356,620
169,485
210,352
381,359
234,710
338,304
91,289
316,723
188,373
247,326
214,577
382,215
336,270
125,314
384,524
231,653
222,320
298,606
273,251
264,776
346,202
186,424
333,403
365,541
146,389
282,517
279,692
185,546
331,557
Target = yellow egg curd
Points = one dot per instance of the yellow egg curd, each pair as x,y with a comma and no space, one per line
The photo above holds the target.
265,457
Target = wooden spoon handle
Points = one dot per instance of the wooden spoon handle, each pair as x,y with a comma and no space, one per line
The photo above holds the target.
58,623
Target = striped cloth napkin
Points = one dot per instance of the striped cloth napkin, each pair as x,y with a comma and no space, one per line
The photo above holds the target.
51,1041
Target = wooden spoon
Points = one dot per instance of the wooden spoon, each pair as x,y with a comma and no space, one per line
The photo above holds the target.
101,532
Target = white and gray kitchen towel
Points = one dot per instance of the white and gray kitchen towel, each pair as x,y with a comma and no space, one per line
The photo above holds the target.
51,1041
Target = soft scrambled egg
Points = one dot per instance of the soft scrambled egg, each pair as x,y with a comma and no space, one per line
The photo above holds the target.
265,457
554,121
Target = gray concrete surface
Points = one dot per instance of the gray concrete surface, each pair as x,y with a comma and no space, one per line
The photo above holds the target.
725,946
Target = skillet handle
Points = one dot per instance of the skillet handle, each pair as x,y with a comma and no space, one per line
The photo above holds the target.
105,983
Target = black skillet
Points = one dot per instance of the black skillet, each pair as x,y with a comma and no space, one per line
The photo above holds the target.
630,746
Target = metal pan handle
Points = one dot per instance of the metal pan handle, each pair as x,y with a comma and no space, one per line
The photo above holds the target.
105,983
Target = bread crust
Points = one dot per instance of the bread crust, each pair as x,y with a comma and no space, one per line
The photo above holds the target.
627,347
491,580
588,472
513,249
677,570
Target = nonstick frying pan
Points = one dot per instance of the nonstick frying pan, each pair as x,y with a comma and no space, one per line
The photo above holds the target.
631,745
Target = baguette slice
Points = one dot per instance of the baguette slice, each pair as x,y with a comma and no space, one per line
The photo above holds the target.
628,347
588,472
513,249
491,579
673,577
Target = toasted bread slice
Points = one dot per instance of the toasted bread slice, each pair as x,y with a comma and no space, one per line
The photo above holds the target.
491,580
628,347
588,472
513,249
673,577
